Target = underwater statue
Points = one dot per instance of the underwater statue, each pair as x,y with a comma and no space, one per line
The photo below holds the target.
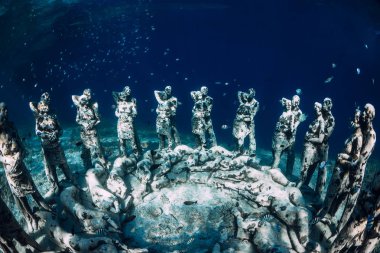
244,124
298,118
329,128
341,179
11,230
126,111
283,133
312,147
49,131
88,118
353,167
201,121
12,153
165,122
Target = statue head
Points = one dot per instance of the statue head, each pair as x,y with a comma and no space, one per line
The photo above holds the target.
204,90
327,104
368,114
355,123
45,97
43,107
318,108
286,103
168,90
296,101
87,93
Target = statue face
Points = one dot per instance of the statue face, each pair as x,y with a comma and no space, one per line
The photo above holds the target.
368,113
83,100
204,90
43,107
296,101
355,122
318,109
87,93
168,90
127,91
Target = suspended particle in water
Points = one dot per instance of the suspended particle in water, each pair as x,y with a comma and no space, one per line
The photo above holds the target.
225,127
186,78
35,85
333,65
358,71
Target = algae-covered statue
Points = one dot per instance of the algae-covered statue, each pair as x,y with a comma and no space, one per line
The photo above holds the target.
329,128
165,122
12,153
49,131
312,147
88,118
283,133
353,165
126,111
244,124
201,122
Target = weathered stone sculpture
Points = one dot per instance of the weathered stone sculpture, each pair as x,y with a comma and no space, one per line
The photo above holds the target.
126,111
283,133
88,118
12,153
244,124
49,131
312,147
201,121
165,123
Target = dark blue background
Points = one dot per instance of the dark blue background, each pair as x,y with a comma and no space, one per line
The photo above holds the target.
272,46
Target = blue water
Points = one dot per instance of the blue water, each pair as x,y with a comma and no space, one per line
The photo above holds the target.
273,46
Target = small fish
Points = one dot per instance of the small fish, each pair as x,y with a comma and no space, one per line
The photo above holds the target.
333,65
329,79
78,143
224,127
188,202
358,71
298,91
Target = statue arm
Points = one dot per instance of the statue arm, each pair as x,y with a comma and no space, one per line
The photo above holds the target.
134,107
240,97
321,134
115,96
75,99
157,94
95,107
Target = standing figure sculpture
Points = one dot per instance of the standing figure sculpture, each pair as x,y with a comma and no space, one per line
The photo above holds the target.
283,133
165,122
49,131
126,111
298,118
202,123
244,123
329,128
88,118
341,180
12,153
312,147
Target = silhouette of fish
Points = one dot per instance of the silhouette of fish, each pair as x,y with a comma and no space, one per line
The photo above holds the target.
188,202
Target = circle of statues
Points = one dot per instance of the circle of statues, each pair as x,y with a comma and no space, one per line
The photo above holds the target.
347,218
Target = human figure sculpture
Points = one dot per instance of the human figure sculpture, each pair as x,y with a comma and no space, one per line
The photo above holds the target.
126,111
88,118
12,153
339,187
11,230
49,131
165,122
329,128
283,132
298,118
244,124
312,147
356,166
201,121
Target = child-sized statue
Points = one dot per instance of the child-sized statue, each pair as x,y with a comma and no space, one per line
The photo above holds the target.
88,118
12,153
49,130
126,111
244,124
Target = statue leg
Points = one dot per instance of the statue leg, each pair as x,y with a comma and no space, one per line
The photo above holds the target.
40,201
321,180
252,141
372,237
349,208
31,220
86,157
290,160
211,134
276,157
122,149
51,174
161,138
